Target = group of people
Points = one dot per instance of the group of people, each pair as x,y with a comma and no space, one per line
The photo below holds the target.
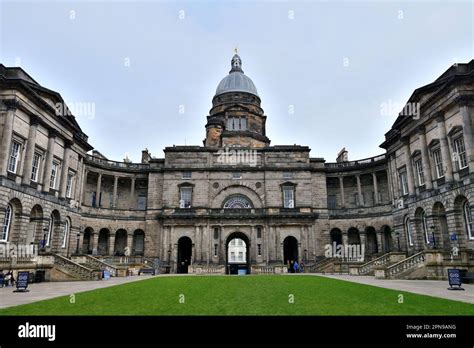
6,279
295,267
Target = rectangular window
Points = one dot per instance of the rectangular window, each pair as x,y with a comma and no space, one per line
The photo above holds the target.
419,172
35,167
288,197
232,256
141,202
460,155
287,175
403,183
237,175
259,249
241,256
14,157
239,242
186,197
54,175
438,163
332,201
237,123
70,181
187,175
216,232
215,249
259,232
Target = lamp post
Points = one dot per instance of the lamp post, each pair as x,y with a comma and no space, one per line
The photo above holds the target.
398,240
43,242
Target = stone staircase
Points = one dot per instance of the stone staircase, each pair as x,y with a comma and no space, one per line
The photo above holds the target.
402,268
322,266
368,268
73,269
98,265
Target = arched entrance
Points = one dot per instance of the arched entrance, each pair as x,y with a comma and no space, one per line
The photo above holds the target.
372,247
440,227
103,243
185,250
290,251
336,237
120,242
138,243
86,241
237,254
387,239
35,225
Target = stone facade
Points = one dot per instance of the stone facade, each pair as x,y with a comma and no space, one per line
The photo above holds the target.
282,202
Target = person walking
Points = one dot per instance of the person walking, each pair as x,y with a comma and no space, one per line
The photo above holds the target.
296,266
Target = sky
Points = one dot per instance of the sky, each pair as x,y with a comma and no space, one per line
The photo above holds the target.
326,72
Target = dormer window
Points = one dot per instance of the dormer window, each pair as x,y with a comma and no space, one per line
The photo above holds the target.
236,123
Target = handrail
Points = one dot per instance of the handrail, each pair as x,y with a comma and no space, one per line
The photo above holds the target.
79,270
110,163
406,264
103,266
379,261
356,162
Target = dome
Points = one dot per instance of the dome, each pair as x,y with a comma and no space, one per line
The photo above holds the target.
236,81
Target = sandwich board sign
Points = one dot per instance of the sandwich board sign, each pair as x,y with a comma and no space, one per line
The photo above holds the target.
454,279
22,282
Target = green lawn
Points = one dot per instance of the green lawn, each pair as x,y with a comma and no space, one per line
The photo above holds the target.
243,295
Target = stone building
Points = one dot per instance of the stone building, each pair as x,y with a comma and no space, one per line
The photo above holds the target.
407,207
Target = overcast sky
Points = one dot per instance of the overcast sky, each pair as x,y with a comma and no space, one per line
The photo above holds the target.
334,64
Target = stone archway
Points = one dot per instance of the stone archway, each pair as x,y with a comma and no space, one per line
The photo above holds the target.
103,242
239,265
290,250
138,246
86,241
120,242
185,253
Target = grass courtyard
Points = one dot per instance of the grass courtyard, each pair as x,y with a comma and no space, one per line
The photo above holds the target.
243,295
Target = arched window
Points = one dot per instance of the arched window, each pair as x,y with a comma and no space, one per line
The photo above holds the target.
6,223
237,202
468,220
66,229
424,225
409,231
50,230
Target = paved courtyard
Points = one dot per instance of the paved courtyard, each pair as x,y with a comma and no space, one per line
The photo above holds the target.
47,290
437,288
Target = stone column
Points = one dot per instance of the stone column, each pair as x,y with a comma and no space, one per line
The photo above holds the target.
389,180
359,191
376,190
95,242
345,238
363,243
114,199
196,253
48,162
83,183
380,246
341,188
130,242
468,130
133,204
11,105
30,151
65,169
443,145
425,158
410,177
97,191
111,243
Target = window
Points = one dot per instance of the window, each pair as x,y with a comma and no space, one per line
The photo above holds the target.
216,232
460,153
185,197
187,175
50,230
232,256
259,249
35,167
438,163
237,123
141,205
403,182
408,231
232,242
239,242
70,180
215,249
419,172
424,225
237,175
332,202
468,220
237,202
287,175
54,175
6,223
65,233
259,232
14,157
241,256
288,197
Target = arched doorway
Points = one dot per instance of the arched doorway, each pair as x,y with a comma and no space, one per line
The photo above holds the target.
86,241
290,251
185,251
103,242
387,239
440,226
237,254
120,243
138,243
372,247
53,234
336,237
353,236
35,225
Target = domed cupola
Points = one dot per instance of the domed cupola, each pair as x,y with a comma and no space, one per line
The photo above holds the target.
236,118
236,81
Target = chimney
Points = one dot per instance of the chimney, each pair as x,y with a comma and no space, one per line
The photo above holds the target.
146,156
